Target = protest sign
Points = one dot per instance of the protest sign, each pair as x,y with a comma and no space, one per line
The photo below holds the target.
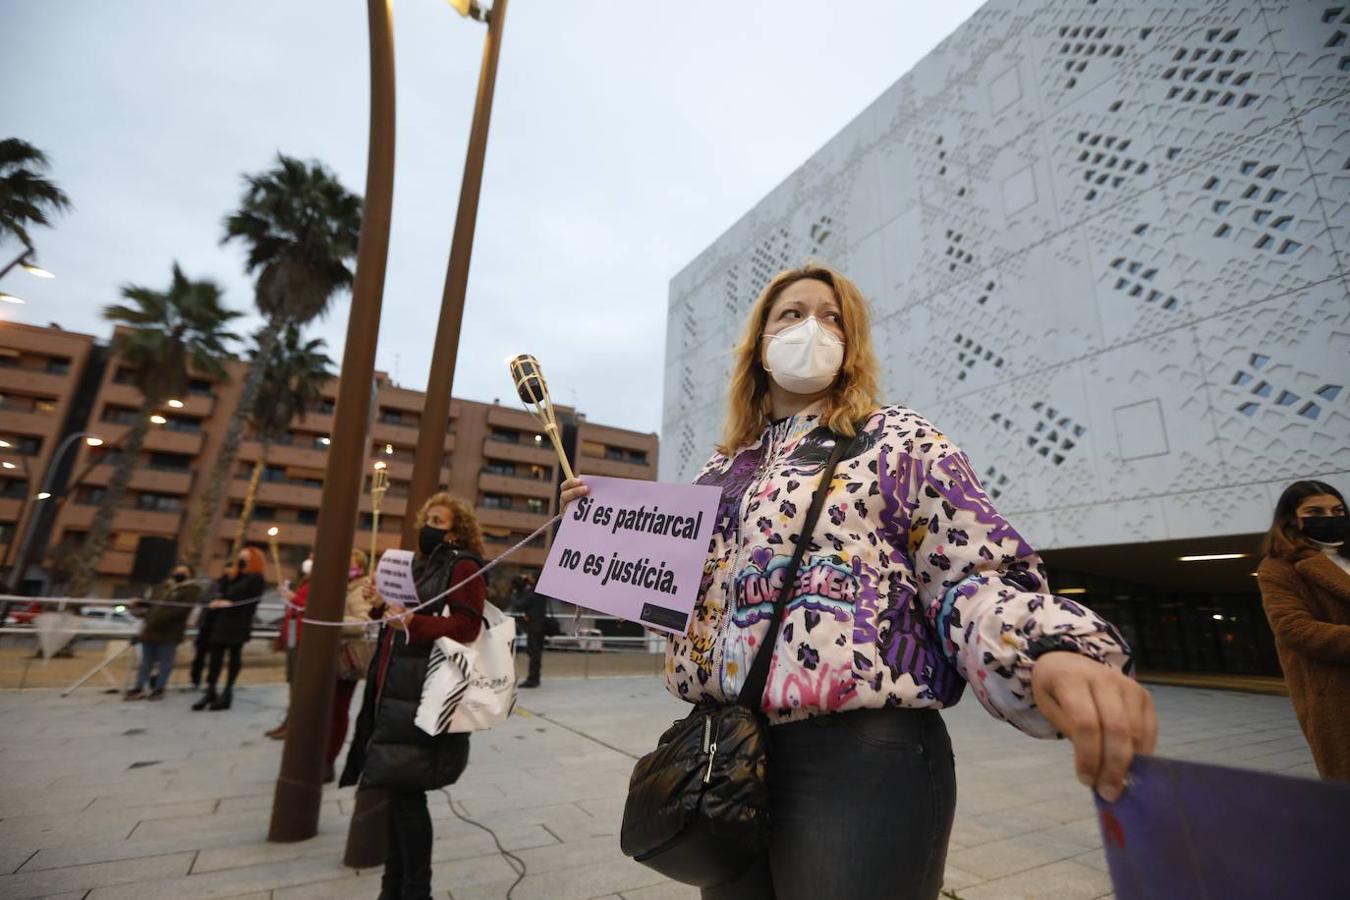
1186,829
633,549
394,578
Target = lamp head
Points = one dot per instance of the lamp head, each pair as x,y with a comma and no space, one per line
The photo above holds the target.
529,380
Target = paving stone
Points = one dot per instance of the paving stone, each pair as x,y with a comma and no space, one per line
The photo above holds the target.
668,890
1063,880
580,883
14,855
1013,855
550,781
954,878
76,878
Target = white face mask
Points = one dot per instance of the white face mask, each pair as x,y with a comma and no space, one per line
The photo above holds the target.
803,359
306,566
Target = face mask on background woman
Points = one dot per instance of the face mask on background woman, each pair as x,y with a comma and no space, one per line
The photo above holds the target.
428,539
1328,530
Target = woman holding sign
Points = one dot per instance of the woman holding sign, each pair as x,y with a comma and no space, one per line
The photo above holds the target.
911,587
389,752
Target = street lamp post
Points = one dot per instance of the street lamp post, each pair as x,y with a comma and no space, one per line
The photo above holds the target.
426,472
299,791
25,259
8,466
21,563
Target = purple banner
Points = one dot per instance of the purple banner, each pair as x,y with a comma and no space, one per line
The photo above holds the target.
633,549
1200,832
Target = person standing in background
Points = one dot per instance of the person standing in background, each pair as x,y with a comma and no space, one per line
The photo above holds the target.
534,607
231,623
171,602
288,638
1305,589
354,655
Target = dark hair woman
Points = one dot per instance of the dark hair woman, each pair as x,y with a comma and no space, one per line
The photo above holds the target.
1305,589
229,619
389,752
912,587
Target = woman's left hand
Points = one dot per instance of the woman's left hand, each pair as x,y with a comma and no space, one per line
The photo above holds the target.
219,603
1108,716
396,618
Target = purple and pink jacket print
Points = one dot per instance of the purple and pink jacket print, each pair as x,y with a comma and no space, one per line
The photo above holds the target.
912,586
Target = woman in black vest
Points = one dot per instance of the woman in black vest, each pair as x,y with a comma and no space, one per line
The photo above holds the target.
388,751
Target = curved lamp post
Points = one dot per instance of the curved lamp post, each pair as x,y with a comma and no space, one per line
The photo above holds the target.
299,790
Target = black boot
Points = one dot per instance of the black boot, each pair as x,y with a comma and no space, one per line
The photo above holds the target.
207,699
223,701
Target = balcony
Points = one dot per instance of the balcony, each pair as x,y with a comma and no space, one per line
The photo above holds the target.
136,521
174,441
271,493
506,417
539,454
595,465
116,562
144,478
386,433
289,533
302,455
43,423
157,438
515,485
525,556
514,519
18,380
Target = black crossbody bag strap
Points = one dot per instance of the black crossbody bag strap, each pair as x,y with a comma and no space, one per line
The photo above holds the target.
753,690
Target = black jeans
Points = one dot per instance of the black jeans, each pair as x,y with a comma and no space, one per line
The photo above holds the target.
534,645
217,657
861,805
407,868
203,650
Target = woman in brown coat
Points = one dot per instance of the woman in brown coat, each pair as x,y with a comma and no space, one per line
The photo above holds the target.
1305,589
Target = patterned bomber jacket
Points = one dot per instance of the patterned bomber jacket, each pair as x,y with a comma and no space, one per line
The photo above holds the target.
912,585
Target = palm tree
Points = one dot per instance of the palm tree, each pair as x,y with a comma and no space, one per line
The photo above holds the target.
166,334
292,381
301,228
26,198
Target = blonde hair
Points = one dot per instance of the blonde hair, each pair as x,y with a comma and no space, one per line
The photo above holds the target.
359,558
464,530
852,397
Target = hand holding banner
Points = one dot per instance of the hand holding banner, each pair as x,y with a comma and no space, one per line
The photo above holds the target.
394,579
634,549
1185,829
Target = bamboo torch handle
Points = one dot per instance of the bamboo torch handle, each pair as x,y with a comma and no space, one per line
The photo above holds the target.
558,447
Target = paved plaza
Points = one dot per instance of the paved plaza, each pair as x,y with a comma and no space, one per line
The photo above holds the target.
103,799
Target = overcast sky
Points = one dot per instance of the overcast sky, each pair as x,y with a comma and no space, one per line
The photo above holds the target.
626,136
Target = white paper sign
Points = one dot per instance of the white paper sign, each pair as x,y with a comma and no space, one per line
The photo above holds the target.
394,578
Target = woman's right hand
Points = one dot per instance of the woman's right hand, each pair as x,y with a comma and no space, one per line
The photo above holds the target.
573,488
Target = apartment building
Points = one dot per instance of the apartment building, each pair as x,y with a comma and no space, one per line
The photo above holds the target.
496,458
40,370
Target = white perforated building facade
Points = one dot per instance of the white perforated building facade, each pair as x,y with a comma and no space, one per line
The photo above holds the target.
1106,245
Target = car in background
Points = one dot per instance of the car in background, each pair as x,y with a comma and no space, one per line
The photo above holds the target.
118,615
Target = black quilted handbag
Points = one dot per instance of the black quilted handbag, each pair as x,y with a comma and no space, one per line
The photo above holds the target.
698,805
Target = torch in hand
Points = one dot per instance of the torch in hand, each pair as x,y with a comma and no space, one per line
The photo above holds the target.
379,484
533,391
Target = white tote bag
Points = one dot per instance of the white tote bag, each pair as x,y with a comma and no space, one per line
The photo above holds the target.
473,687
